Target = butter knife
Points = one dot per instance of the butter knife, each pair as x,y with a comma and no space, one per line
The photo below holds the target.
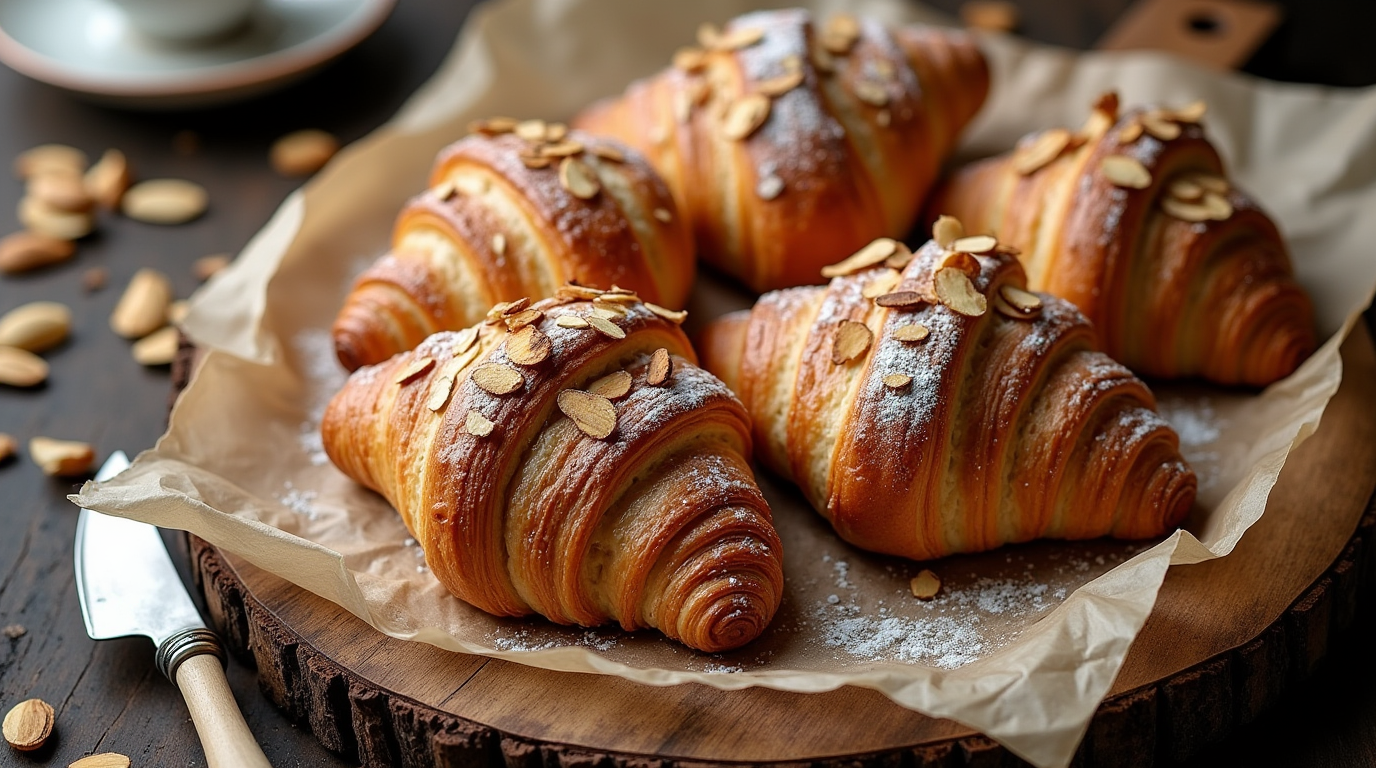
128,586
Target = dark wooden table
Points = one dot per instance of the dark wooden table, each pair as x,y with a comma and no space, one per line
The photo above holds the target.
108,695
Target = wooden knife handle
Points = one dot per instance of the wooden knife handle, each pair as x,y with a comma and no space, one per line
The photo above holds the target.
225,736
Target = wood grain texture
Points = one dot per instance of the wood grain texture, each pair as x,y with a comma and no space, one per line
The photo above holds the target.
1226,641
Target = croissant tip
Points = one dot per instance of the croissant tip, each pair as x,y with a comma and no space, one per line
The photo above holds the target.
731,621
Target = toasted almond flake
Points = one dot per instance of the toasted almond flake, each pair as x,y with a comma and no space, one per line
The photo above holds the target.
578,292
165,201
900,259
536,162
440,390
61,458
852,340
1218,206
562,149
1185,211
925,585
571,321
897,380
499,244
883,118
1190,113
593,414
769,187
1157,125
523,318
840,33
494,125
1186,190
872,93
21,368
476,424
47,158
962,261
910,332
708,34
1017,303
617,297
613,386
497,378
1130,132
1102,115
881,284
1211,182
872,254
607,152
955,289
508,308
673,316
414,369
663,215
1124,171
28,724
556,132
946,230
690,59
464,340
660,369
530,130
606,327
578,178
738,38
744,116
157,348
899,299
103,760
1048,146
781,84
975,244
528,346
609,311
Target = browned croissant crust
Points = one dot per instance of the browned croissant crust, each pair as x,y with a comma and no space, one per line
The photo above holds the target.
952,412
642,511
1133,220
516,210
791,143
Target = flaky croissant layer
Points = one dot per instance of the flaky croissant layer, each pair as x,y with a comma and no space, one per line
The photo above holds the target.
580,466
942,409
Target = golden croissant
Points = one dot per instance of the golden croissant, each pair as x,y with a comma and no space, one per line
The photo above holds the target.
516,210
1134,221
944,409
570,459
791,142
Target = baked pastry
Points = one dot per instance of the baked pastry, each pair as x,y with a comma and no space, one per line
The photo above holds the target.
516,209
791,143
944,409
1134,221
570,459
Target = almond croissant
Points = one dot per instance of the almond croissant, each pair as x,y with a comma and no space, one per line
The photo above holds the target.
1134,221
791,143
515,210
944,409
579,466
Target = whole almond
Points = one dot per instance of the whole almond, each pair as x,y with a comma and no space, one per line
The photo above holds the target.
23,251
45,219
36,326
8,448
61,458
925,585
108,179
28,724
103,760
50,157
165,201
21,368
158,347
61,191
143,307
303,152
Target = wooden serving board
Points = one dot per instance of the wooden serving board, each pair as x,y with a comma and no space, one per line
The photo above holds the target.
1226,639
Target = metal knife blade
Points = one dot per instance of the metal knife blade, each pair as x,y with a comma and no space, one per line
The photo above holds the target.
125,578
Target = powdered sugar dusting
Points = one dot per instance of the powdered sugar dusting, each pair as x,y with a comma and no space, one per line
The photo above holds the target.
299,500
322,377
1199,427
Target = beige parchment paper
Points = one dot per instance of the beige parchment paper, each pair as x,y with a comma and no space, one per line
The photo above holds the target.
1022,644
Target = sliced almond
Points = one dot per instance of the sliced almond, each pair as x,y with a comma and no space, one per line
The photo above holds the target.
44,219
414,370
302,153
780,84
58,158
1046,147
840,33
852,340
61,458
1185,189
673,316
477,424
955,289
142,308
1102,116
900,299
925,585
21,368
523,318
556,132
562,149
738,38
439,393
910,332
528,346
497,378
610,311
663,215
536,162
900,258
881,284
1218,206
744,116
1185,210
593,414
897,380
871,93
607,152
157,348
1124,171
507,308
61,191
577,292
1022,304
1211,182
571,321
494,126
708,34
613,386
1190,113
661,367
615,297
690,59
1130,132
28,724
578,178
606,327
26,250
975,244
530,130
947,230
102,760
872,254
165,201
1159,126
962,261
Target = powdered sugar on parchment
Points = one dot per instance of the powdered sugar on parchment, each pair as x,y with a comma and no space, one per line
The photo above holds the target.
322,377
1199,427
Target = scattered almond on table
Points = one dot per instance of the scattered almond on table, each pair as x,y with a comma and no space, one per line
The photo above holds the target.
61,458
108,180
925,585
36,327
21,368
28,724
27,250
103,760
303,152
165,201
143,307
14,631
158,347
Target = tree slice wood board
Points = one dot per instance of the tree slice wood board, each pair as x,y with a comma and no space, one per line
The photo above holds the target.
1227,638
